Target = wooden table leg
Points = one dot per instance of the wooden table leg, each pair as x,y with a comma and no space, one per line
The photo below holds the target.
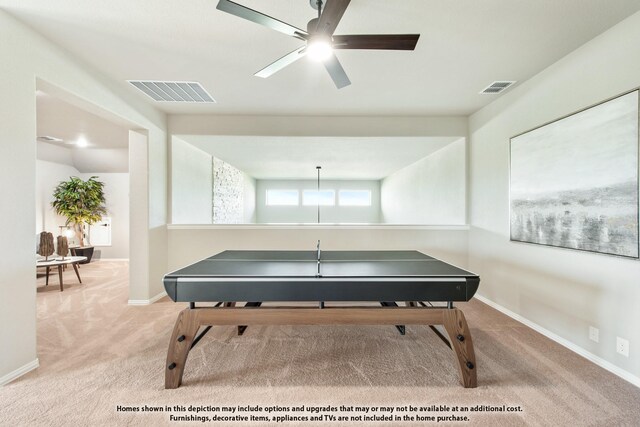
462,346
60,276
46,282
190,320
184,332
75,268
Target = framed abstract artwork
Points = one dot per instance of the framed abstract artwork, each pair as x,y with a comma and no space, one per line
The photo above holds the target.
574,181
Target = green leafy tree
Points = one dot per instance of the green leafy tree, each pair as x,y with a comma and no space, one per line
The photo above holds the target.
82,202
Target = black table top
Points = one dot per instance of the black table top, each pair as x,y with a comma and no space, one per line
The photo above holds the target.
338,276
273,264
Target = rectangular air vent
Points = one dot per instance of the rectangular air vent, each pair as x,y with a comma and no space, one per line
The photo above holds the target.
497,87
48,138
173,91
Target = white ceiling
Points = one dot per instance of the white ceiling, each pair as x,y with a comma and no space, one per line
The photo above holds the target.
108,160
464,46
107,143
297,157
62,120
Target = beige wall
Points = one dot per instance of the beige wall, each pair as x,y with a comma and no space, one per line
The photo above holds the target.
192,184
317,125
249,199
116,191
29,58
139,266
563,291
429,191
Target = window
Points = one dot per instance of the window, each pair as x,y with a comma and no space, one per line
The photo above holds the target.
327,197
354,198
283,198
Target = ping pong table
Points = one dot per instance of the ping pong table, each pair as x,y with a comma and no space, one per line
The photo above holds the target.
414,279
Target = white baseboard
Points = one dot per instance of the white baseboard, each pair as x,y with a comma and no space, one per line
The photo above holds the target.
112,259
19,372
147,301
625,375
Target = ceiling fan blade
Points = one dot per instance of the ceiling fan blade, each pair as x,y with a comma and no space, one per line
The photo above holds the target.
336,72
331,15
262,19
278,65
376,41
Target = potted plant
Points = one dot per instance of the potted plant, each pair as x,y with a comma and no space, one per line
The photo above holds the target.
82,203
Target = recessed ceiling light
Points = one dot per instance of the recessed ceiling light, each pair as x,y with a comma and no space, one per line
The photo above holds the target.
82,142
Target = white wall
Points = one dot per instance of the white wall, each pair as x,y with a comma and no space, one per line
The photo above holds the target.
249,198
192,184
30,59
139,270
562,290
309,214
430,191
116,192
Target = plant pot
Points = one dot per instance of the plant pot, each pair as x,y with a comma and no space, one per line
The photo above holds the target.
84,251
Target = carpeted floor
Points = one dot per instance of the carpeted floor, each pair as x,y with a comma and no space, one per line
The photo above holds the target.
97,353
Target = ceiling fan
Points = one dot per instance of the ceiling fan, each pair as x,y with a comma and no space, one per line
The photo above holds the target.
319,37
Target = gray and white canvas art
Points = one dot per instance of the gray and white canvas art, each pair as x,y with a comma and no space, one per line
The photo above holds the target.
574,182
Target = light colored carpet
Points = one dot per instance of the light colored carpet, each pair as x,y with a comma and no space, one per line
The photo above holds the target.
96,353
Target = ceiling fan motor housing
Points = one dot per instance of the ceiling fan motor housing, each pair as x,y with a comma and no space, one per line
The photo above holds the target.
312,25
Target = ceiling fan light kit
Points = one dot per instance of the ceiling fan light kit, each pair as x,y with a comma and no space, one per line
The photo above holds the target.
319,48
319,37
